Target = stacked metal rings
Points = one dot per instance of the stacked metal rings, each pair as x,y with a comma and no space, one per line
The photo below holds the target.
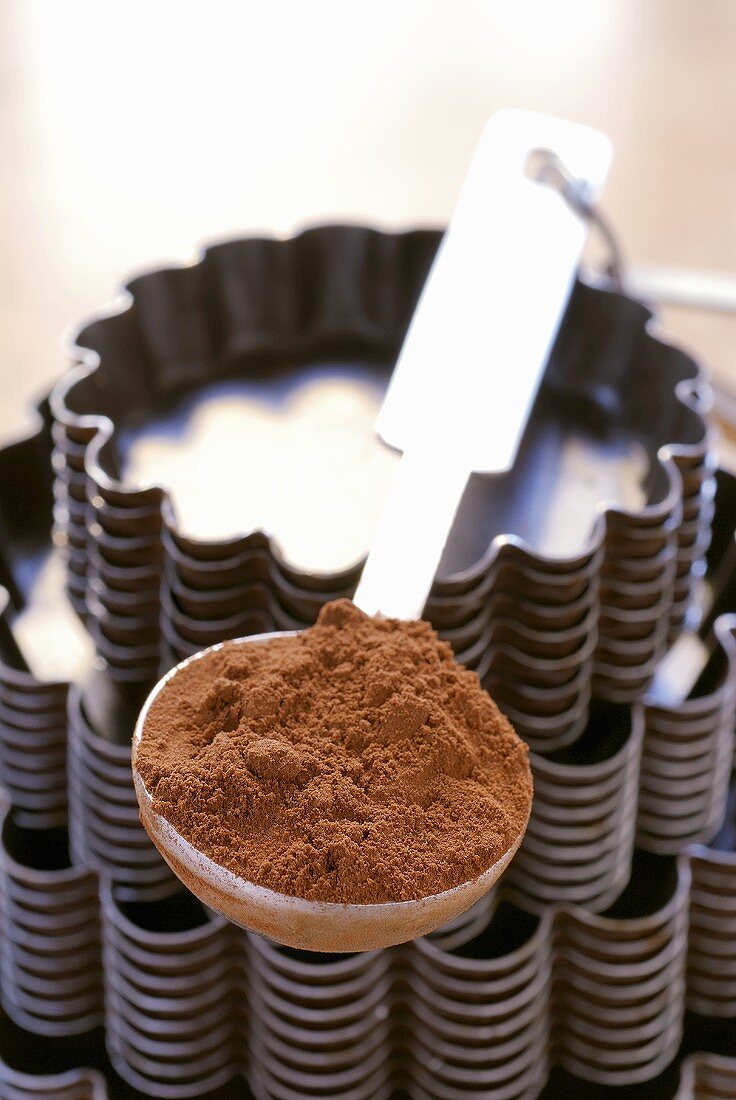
75,1084
542,630
687,755
707,1077
49,934
33,745
171,996
580,840
481,1013
615,927
320,1025
32,711
105,832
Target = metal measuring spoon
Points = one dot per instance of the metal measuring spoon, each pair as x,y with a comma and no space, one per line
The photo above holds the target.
296,922
494,298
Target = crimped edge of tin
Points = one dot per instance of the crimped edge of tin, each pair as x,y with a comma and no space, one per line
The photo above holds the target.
692,393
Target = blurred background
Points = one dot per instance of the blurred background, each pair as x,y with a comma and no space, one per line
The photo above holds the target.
132,132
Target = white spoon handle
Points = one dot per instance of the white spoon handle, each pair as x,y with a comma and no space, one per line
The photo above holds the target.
411,536
476,347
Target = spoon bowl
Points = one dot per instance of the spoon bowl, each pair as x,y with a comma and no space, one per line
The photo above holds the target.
293,921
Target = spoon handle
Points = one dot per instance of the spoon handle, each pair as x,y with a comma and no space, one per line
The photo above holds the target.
412,531
477,345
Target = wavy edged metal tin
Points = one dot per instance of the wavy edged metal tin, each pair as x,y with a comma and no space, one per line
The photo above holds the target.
104,828
50,935
317,1025
172,995
608,1032
74,1084
135,361
688,744
480,1013
580,839
609,992
32,710
540,628
712,936
707,1077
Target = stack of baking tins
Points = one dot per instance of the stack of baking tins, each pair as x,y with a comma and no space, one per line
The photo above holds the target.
687,755
531,639
75,1084
32,711
320,1025
33,748
611,942
49,934
533,623
620,980
707,1077
579,843
171,996
481,1013
104,828
711,962
693,535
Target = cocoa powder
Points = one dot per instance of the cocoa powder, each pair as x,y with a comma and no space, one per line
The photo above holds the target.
353,762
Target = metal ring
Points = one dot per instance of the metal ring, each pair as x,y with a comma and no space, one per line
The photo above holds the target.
547,168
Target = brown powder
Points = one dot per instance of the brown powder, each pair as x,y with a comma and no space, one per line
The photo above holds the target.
354,762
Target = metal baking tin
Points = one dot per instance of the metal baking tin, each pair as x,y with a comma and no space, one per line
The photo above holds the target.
49,934
32,712
600,993
104,828
131,362
75,1084
707,1077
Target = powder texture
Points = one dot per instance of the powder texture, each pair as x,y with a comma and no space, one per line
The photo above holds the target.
353,762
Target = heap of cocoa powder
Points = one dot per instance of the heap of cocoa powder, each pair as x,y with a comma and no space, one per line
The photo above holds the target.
353,762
